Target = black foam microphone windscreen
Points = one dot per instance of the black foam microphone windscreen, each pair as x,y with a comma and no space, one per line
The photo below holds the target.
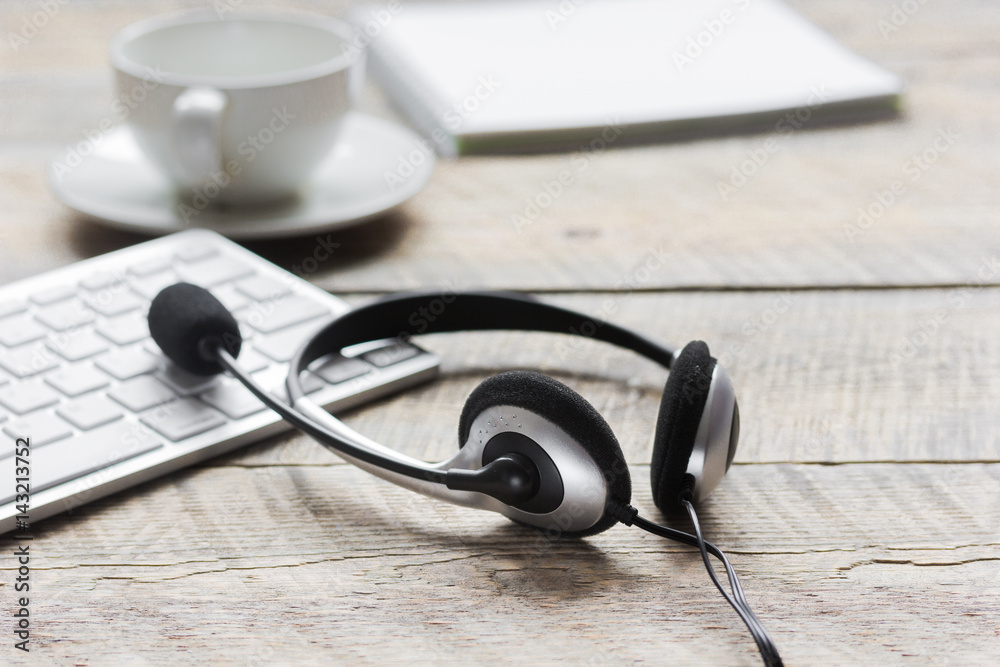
186,321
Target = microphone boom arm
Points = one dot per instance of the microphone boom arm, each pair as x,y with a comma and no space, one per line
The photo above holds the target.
431,480
388,461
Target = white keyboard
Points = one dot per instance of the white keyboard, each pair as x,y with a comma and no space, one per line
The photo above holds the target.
105,410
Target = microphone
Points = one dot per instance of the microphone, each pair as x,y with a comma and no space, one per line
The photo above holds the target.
200,335
190,324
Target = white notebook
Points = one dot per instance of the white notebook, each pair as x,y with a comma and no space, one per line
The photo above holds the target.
515,75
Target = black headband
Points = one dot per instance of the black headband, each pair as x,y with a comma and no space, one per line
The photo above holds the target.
462,311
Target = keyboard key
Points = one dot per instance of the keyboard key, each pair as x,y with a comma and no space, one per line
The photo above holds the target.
310,385
185,383
52,295
127,363
182,419
192,253
273,380
274,316
251,360
150,266
336,368
65,315
261,288
16,331
94,389
101,279
42,428
12,307
114,301
63,461
76,380
282,346
78,345
27,361
230,297
142,393
24,397
233,399
125,329
90,412
390,354
149,286
214,271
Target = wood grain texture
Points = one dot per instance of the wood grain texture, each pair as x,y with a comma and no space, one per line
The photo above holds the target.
835,377
795,222
862,510
313,564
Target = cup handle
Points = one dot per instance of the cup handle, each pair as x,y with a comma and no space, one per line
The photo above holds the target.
198,132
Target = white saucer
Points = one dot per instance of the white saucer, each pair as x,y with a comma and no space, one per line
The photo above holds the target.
117,184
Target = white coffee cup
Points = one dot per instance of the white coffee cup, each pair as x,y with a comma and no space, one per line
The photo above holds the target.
236,110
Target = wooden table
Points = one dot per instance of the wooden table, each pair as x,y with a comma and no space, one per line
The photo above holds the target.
864,504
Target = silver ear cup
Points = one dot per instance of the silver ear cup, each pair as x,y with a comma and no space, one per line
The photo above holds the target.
584,488
718,433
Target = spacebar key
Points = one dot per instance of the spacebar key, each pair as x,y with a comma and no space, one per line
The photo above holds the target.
75,457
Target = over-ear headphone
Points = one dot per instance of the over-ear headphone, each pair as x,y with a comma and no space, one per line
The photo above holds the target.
530,447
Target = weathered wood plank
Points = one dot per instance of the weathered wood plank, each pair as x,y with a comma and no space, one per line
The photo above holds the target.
307,564
280,554
795,221
882,375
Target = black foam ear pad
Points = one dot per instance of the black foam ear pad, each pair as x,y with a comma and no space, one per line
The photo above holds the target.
681,409
564,407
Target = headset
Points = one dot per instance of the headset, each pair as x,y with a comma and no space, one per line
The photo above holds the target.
531,448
